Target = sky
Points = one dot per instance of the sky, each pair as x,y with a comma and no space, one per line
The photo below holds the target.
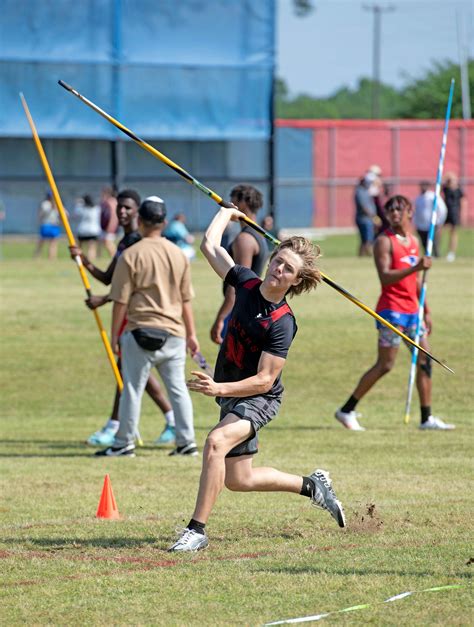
332,47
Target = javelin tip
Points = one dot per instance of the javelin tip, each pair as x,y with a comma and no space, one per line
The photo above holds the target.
65,85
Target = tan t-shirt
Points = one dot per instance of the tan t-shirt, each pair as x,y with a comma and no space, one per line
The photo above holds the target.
153,278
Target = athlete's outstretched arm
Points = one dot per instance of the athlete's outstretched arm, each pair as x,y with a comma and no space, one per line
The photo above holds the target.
269,367
217,256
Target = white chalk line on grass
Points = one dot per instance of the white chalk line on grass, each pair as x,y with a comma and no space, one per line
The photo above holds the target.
354,608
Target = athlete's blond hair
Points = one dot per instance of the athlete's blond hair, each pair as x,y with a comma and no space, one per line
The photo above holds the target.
309,273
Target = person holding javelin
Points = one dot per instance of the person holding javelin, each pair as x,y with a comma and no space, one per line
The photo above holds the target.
128,201
398,263
247,381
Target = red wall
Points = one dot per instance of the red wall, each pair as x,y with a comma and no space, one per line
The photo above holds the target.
406,150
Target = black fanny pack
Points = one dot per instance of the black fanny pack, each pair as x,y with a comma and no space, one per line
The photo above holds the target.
150,339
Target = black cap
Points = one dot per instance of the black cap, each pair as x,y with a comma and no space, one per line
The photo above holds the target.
152,210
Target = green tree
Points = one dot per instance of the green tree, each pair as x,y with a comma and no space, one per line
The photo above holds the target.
426,97
419,98
343,104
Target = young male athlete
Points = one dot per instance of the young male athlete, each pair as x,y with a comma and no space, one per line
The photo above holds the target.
128,202
398,261
247,382
247,248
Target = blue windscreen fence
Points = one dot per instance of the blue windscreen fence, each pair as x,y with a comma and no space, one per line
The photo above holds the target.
187,69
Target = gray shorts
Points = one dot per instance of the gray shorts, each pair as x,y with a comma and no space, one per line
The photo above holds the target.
258,410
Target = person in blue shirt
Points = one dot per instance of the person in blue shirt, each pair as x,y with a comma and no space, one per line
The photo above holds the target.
177,233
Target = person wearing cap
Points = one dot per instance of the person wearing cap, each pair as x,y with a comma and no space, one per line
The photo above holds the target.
366,214
151,286
128,202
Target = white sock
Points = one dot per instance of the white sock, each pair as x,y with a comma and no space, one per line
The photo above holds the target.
169,417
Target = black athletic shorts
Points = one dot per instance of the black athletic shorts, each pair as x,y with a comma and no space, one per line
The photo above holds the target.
453,216
258,410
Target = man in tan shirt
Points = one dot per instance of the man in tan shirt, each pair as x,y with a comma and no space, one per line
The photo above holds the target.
151,287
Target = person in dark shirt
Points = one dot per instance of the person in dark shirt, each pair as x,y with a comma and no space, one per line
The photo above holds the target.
247,248
128,202
455,202
247,381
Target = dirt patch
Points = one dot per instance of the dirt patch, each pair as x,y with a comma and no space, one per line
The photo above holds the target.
367,520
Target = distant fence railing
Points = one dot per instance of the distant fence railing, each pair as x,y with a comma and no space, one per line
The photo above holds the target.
327,157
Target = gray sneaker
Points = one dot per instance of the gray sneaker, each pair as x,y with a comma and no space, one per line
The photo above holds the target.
190,540
324,496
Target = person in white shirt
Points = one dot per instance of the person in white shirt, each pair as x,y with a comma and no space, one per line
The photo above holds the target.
422,218
88,229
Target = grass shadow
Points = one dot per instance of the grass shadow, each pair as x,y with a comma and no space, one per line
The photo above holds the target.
79,543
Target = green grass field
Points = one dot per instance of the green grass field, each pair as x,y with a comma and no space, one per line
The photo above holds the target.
407,494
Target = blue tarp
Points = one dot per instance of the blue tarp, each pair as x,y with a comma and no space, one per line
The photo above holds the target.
175,69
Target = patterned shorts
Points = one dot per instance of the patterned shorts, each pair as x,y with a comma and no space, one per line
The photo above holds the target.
258,410
389,339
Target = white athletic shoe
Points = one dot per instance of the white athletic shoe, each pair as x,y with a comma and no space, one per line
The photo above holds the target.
436,424
349,420
451,257
189,540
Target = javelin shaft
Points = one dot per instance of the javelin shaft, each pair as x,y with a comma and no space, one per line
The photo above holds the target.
429,249
223,203
156,153
352,298
70,236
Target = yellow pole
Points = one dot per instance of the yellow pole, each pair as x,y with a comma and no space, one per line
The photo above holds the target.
190,179
352,298
72,242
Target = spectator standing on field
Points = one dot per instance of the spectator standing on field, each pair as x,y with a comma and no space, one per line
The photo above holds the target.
455,203
151,287
128,202
108,219
49,227
248,249
247,382
423,212
177,233
396,256
366,214
87,216
378,193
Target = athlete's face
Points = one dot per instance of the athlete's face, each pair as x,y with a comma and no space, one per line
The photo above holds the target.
283,270
127,210
399,217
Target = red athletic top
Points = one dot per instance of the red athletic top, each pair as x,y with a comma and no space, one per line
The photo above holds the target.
402,296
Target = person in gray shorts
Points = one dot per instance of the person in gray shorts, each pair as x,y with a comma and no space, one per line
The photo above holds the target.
247,380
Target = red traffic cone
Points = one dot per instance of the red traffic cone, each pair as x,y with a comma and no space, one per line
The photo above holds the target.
107,505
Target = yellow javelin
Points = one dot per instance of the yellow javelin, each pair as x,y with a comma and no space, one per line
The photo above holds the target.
72,242
190,179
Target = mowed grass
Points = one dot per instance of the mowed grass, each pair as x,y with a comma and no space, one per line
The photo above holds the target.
407,494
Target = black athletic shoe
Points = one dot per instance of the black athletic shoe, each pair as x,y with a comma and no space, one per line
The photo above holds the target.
323,496
113,451
188,449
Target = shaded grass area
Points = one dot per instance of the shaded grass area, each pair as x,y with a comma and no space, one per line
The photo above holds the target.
407,494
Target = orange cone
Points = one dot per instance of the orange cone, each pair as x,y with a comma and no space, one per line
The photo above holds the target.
107,505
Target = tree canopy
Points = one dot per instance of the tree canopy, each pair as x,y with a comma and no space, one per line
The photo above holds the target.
423,98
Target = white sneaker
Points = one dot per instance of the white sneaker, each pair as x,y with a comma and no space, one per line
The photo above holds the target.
189,540
349,420
451,257
436,424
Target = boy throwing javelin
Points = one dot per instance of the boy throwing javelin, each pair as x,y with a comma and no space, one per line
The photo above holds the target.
247,381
